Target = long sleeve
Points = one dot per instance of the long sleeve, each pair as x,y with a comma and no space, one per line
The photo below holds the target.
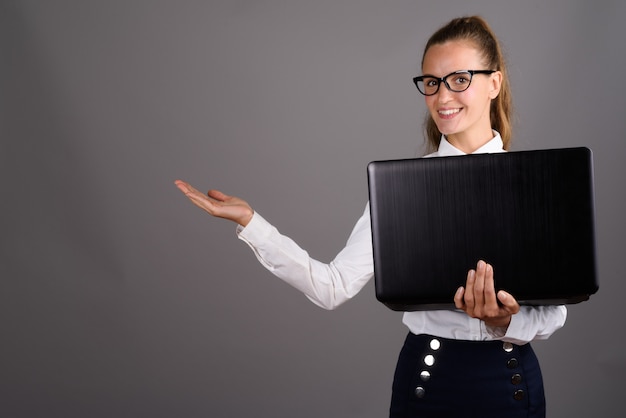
329,285
534,323
326,284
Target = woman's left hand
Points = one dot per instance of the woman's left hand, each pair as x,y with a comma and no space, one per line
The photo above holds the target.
479,299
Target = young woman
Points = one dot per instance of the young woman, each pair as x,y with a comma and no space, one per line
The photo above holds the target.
474,361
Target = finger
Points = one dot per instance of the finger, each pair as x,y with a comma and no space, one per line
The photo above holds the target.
197,198
458,298
217,195
490,288
509,303
468,295
479,284
183,186
186,188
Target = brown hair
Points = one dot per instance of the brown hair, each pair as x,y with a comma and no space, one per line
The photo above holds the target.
476,30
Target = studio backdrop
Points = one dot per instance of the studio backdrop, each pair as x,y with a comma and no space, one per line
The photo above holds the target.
119,298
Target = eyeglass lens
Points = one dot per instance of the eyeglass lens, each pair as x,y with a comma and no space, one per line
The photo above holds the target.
457,82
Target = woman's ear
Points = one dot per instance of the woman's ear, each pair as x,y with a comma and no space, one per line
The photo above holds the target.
496,83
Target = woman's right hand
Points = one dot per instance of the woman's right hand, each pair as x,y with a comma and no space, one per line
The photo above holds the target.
218,204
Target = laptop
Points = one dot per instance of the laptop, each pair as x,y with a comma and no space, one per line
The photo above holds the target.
530,214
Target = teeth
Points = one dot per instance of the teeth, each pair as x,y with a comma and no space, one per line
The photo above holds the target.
449,112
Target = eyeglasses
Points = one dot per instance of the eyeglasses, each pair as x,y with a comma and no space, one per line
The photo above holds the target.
457,81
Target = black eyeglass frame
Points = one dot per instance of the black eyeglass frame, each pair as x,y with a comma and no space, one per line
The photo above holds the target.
445,81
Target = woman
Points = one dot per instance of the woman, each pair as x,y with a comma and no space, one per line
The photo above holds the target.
472,361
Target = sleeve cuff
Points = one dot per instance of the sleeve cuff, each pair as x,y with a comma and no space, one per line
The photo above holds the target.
258,229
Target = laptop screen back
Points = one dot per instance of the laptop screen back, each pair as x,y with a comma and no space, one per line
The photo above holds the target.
530,214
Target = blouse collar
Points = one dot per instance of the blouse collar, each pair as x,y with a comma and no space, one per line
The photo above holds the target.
447,149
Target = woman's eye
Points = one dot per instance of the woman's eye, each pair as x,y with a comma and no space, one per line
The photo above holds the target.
431,83
461,80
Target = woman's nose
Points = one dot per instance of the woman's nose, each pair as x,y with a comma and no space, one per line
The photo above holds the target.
444,94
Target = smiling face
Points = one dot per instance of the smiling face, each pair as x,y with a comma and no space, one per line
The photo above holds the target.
463,117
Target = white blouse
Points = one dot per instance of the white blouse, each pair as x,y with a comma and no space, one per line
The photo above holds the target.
330,284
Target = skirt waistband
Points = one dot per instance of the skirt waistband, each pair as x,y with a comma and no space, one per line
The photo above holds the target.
422,339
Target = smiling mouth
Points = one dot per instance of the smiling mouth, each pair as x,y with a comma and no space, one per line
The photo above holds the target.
448,112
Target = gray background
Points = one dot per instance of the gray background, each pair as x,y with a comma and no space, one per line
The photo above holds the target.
118,298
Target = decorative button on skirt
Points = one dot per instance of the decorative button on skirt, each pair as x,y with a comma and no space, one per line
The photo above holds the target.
437,377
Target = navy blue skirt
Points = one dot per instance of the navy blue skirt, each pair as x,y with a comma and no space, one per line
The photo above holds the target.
437,377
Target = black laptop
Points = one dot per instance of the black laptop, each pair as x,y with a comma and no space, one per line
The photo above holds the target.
528,213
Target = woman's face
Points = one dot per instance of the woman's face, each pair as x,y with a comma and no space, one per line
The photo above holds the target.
464,116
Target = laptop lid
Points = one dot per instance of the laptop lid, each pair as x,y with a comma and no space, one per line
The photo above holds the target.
528,213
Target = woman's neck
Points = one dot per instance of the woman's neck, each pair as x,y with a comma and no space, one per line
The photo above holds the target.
469,143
